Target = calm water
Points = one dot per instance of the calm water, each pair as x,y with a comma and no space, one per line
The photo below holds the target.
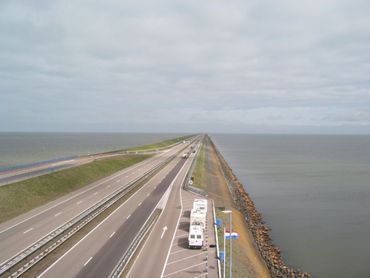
314,192
24,148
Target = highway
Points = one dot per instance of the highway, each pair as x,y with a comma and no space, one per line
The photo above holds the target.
97,254
22,231
165,252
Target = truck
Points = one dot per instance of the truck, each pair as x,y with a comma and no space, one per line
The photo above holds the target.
196,237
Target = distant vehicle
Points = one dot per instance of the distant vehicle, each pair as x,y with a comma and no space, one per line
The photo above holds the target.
185,155
196,237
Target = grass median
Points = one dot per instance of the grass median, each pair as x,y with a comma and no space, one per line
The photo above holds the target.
199,169
20,197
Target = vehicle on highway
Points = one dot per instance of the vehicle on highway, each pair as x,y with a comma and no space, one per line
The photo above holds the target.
196,237
185,155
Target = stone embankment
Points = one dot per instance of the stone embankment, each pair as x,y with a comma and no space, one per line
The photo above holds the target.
269,252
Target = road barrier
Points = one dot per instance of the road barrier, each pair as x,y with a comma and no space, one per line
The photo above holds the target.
67,230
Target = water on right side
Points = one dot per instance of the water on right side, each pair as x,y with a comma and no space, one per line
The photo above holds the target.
314,192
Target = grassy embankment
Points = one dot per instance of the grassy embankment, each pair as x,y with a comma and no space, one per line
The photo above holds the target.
20,197
159,145
198,172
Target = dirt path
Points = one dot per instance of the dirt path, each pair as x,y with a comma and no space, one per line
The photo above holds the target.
247,261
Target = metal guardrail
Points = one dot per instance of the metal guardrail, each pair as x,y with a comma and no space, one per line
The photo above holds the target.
79,222
117,272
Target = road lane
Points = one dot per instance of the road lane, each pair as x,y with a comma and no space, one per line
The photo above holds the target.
42,220
124,222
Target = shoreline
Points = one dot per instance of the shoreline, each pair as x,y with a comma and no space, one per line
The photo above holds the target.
260,232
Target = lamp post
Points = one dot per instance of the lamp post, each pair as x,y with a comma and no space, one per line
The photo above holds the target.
230,213
224,252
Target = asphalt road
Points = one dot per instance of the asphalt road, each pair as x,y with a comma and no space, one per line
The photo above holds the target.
22,231
165,253
98,252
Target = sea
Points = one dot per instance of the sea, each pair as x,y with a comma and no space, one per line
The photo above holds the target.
313,192
19,149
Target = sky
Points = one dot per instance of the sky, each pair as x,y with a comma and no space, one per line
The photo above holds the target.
252,66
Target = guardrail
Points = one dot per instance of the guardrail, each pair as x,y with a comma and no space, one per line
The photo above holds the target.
186,185
117,272
72,226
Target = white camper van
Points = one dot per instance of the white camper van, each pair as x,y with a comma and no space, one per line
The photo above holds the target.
198,217
195,236
200,204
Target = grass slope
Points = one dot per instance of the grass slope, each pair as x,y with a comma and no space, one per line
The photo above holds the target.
20,197
161,144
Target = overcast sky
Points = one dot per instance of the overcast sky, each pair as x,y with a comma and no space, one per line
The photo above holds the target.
185,66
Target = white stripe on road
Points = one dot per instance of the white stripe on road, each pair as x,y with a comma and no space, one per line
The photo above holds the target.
139,204
59,213
172,273
128,216
96,193
112,234
179,260
88,261
79,202
29,230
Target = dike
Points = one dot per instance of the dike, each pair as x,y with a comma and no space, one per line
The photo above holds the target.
269,252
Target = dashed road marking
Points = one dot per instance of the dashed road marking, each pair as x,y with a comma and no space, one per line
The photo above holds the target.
96,193
29,230
79,202
139,204
88,261
112,234
59,213
128,216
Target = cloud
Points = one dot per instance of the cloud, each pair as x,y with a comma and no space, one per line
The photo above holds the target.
200,65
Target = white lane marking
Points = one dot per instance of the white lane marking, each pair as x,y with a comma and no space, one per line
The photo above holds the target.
112,234
96,193
128,216
79,202
180,270
152,231
183,259
88,261
147,194
108,186
29,230
57,214
164,229
141,164
178,251
139,204
178,220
